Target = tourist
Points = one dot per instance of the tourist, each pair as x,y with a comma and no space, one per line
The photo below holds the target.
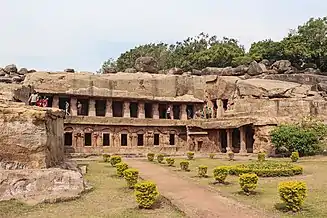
67,108
45,102
79,108
33,99
168,112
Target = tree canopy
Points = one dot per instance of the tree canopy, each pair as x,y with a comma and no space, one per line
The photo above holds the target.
304,46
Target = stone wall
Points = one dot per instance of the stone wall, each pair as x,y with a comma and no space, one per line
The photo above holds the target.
30,137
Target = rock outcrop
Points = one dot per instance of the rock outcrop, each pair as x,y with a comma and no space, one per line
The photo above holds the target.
146,64
10,74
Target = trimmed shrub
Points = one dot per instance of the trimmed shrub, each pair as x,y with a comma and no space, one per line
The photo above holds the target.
160,158
184,165
295,156
170,161
146,194
131,175
261,156
115,160
121,167
150,157
202,171
231,155
292,193
190,155
220,173
267,169
212,155
248,182
106,157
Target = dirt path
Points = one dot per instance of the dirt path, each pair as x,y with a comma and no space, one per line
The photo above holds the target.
193,199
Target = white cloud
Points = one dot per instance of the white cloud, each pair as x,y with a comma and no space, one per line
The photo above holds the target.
81,33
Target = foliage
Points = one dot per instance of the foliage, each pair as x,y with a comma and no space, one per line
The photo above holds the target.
131,176
267,169
170,161
150,157
231,155
248,182
305,137
121,167
190,155
146,194
295,156
220,173
202,171
184,165
160,158
266,49
292,193
110,63
261,156
212,155
106,157
115,160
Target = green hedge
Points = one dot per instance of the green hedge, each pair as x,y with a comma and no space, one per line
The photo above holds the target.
106,157
267,169
150,157
261,156
131,176
121,167
248,182
220,173
184,165
212,155
292,193
146,194
160,158
190,155
202,171
115,160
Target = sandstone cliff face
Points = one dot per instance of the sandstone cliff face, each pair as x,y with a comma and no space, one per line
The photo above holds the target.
30,137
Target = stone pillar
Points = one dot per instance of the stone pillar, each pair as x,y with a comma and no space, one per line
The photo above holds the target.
127,113
155,111
229,140
243,140
220,108
218,141
109,108
141,111
73,106
183,112
92,108
55,101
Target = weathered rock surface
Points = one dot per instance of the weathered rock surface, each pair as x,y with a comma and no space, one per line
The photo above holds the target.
107,70
130,70
146,64
22,71
41,186
282,66
175,71
30,137
69,70
10,69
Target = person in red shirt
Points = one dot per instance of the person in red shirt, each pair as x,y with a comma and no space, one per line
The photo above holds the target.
39,102
45,102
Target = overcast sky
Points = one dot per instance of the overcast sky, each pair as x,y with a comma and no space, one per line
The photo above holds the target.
81,34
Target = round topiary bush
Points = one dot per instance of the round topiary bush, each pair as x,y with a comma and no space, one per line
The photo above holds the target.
146,194
115,160
248,182
267,169
131,176
150,157
231,155
220,173
184,165
106,157
202,171
160,158
261,156
292,193
121,167
190,155
170,161
212,155
295,156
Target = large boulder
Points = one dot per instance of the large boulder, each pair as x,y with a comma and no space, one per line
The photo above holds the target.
2,72
23,71
130,70
227,71
256,68
146,64
282,66
11,69
4,79
41,186
69,70
108,70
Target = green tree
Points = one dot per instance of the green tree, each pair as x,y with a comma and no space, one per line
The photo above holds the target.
266,49
110,63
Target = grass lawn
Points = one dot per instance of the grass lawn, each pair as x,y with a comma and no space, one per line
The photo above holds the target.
315,175
110,198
